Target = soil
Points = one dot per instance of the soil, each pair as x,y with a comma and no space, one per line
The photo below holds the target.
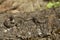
36,25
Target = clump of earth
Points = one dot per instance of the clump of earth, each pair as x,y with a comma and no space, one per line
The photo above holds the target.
37,25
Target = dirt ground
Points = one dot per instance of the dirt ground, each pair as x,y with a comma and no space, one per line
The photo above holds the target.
25,20
36,25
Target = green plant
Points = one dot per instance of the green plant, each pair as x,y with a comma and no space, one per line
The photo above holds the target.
53,4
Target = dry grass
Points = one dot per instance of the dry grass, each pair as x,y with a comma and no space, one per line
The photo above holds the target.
24,5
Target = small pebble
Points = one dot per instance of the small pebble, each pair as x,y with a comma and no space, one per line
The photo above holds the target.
39,31
5,30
